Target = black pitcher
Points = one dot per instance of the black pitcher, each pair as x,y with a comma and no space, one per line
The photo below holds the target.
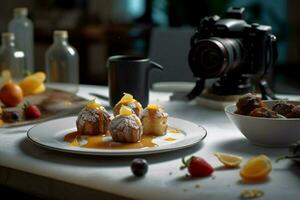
129,74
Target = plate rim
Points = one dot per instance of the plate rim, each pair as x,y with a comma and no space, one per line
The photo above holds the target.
118,152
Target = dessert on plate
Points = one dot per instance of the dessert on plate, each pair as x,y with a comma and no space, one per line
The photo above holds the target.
154,120
126,126
129,101
93,119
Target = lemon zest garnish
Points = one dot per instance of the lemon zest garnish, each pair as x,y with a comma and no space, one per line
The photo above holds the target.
153,107
125,111
94,105
127,98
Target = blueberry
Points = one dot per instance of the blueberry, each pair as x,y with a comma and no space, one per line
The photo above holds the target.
15,116
11,116
139,167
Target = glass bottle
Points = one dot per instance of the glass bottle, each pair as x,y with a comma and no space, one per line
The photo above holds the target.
62,64
22,27
12,61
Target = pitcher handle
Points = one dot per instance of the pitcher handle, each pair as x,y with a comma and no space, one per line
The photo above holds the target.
156,65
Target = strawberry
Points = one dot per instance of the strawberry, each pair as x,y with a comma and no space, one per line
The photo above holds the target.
197,167
32,112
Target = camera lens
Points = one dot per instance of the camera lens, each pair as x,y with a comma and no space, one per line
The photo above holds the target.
210,58
214,57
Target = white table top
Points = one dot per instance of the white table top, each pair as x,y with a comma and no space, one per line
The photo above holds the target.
164,180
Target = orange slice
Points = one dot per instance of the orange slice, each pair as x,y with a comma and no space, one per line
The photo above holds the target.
257,168
94,105
32,84
229,160
40,75
40,89
125,111
127,98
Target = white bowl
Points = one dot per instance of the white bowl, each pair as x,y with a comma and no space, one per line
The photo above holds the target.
271,132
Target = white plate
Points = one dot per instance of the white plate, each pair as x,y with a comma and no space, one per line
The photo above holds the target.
50,135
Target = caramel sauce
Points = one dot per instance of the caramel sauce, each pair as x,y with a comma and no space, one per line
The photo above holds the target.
169,139
98,142
152,113
174,130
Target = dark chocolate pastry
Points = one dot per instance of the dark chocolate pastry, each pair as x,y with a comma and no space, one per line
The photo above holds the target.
295,113
129,101
264,112
247,103
93,119
283,108
126,127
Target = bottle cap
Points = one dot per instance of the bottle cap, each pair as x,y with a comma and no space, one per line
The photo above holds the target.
61,33
20,11
8,36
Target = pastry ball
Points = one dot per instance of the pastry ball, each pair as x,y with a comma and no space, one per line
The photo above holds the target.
93,119
295,113
129,101
126,127
264,112
283,108
154,120
247,103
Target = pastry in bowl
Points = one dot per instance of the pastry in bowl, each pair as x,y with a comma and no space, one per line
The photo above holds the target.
248,103
283,108
126,127
267,126
264,112
295,112
129,101
154,120
93,119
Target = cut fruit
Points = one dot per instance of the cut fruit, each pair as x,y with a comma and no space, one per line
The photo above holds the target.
229,160
257,168
125,111
6,76
94,105
153,107
33,84
40,75
40,89
127,98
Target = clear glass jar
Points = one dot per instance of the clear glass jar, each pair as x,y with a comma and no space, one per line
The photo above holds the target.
22,27
62,64
12,61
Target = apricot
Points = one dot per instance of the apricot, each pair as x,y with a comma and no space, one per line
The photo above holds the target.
11,94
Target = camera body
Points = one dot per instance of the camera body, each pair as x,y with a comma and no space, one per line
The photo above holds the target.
232,50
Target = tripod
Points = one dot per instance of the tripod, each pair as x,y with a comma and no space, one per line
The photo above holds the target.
234,85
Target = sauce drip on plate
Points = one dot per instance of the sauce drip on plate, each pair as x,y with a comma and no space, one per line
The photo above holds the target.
105,142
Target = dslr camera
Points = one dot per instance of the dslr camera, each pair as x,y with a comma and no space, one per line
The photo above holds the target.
235,52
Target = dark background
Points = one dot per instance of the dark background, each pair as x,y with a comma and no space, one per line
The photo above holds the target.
100,28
